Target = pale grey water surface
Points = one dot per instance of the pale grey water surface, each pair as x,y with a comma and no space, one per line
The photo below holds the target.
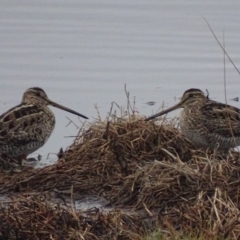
83,52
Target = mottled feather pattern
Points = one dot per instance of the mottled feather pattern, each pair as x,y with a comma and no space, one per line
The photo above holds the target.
221,119
25,127
207,123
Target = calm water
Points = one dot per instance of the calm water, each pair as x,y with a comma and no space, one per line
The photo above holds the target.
83,52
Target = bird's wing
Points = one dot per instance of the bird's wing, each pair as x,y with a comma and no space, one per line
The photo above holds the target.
19,123
221,119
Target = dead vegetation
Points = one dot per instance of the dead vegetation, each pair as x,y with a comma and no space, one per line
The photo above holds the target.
32,216
146,169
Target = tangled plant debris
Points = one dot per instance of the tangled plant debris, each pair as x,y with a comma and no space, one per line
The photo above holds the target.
37,217
150,175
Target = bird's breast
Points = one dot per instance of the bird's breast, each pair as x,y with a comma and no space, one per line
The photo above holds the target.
190,124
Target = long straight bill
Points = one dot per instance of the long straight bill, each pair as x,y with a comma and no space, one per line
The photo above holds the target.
165,111
66,109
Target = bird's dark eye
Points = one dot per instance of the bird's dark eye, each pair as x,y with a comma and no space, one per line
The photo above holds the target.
38,94
190,95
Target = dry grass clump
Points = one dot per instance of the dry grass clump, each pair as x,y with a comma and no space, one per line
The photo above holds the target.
211,216
102,156
148,167
38,217
129,138
198,199
164,183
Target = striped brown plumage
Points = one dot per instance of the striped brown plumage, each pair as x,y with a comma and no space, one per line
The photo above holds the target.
27,126
207,123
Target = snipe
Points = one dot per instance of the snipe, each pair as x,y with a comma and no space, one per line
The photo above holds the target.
206,123
27,126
